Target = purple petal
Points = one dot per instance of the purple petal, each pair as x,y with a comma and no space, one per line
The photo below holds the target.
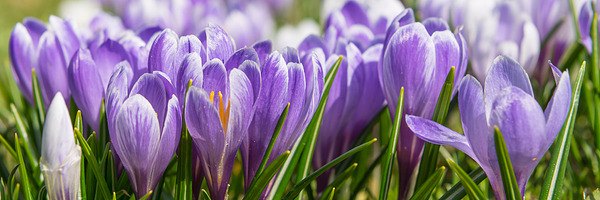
290,55
106,57
241,102
215,78
241,56
53,68
294,123
404,18
169,138
448,54
558,107
191,69
22,53
163,53
354,13
435,133
408,62
309,43
585,24
263,49
435,24
66,35
137,137
252,71
505,72
35,27
153,89
522,123
217,43
117,92
86,86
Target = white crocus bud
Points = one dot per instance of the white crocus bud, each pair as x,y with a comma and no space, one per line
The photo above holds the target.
61,157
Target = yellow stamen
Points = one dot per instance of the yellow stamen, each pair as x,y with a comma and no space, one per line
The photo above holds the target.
223,112
212,97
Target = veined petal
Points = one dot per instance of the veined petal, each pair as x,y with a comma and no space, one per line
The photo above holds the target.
558,107
435,25
447,52
138,137
241,110
58,138
435,133
106,57
252,71
263,49
163,53
53,68
66,35
241,56
169,138
191,69
522,123
217,42
505,72
153,89
86,85
117,92
474,122
215,78
22,53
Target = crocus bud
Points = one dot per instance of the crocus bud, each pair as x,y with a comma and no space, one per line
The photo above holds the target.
61,157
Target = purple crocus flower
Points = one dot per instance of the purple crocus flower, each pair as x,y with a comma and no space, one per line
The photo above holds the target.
355,96
283,79
144,124
61,157
417,56
506,101
47,50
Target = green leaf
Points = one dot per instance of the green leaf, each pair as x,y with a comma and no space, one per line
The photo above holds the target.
184,189
93,163
146,196
560,151
274,137
10,150
509,180
30,151
468,184
313,128
331,194
23,171
204,195
431,151
267,155
262,180
390,154
339,179
362,179
426,189
37,98
305,142
306,181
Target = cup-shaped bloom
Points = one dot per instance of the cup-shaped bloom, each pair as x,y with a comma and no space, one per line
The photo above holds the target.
282,79
218,126
89,73
47,50
61,157
144,125
507,102
417,56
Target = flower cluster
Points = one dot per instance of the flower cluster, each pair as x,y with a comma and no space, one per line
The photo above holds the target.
162,75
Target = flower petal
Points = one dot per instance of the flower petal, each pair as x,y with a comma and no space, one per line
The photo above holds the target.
252,71
53,68
217,42
86,85
153,89
435,133
240,56
263,49
191,69
435,25
22,53
106,57
163,53
558,107
505,72
215,78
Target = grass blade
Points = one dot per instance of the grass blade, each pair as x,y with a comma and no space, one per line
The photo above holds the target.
37,98
509,180
262,180
468,184
315,124
23,170
93,163
287,171
425,191
388,158
306,181
339,179
431,151
560,151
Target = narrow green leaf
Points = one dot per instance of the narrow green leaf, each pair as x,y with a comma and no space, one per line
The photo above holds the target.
312,131
555,173
78,120
339,179
426,189
306,181
83,190
103,135
362,179
468,184
509,180
287,171
276,132
265,177
15,195
10,150
23,170
331,194
594,64
30,151
93,163
431,151
37,98
146,196
204,195
388,158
